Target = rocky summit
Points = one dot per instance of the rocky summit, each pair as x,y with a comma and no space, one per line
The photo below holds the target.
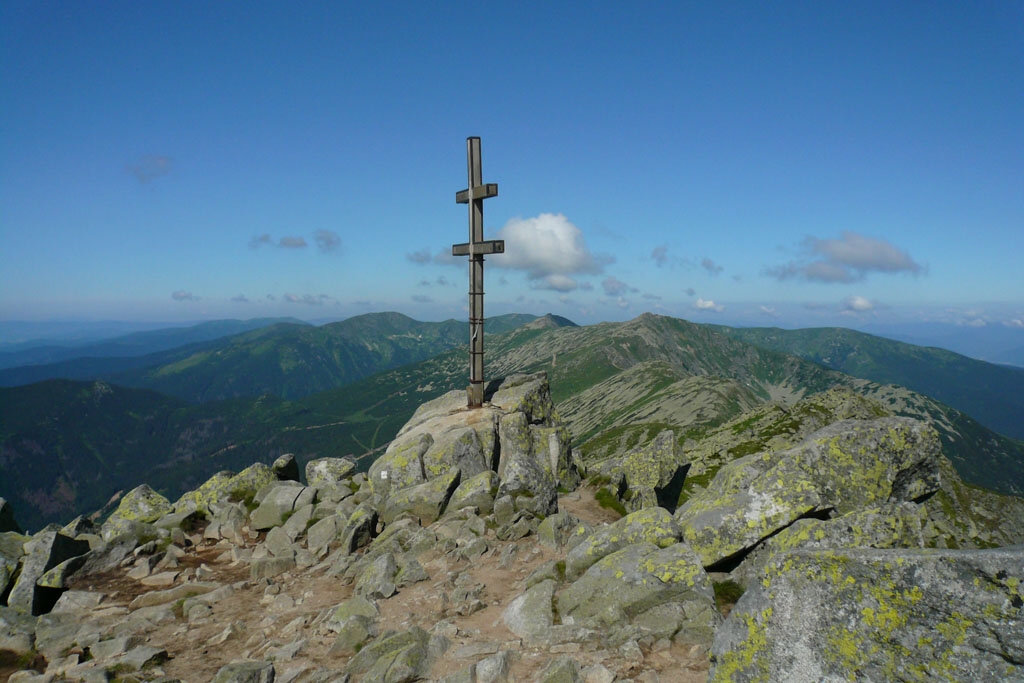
481,547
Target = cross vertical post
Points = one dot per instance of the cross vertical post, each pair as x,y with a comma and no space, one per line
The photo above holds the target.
474,195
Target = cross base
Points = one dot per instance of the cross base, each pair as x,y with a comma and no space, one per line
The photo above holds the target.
475,395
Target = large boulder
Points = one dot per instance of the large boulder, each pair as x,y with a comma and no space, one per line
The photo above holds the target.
328,471
12,548
652,525
141,505
849,465
279,502
643,590
43,552
647,476
517,435
425,502
878,615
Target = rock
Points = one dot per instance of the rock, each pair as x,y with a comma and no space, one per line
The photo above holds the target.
878,615
556,530
378,581
328,471
187,520
560,670
401,466
182,592
425,501
214,492
7,522
286,468
526,467
355,632
356,606
140,505
846,466
645,589
651,525
359,529
244,486
650,475
279,502
17,631
58,576
246,671
477,492
393,658
323,533
43,552
269,567
530,615
12,548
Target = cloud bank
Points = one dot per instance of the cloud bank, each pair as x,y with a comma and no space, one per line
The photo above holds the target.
847,259
549,249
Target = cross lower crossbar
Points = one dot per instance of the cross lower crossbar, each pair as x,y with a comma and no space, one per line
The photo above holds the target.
485,247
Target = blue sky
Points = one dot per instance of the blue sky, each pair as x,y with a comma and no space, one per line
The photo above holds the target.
788,163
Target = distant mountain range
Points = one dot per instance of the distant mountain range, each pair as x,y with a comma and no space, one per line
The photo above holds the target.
67,446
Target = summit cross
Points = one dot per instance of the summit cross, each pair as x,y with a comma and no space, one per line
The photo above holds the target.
474,195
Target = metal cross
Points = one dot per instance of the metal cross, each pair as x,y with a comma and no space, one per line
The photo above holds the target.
475,195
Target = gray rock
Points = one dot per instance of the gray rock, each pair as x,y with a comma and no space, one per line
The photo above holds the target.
425,502
17,631
525,469
647,476
878,615
322,534
328,471
378,581
279,502
653,525
393,658
269,567
12,548
644,590
849,465
556,530
359,529
530,615
7,522
44,551
246,671
477,491
286,468
355,632
560,670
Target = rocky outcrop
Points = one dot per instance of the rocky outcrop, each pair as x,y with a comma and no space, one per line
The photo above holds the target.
911,615
651,475
849,465
516,435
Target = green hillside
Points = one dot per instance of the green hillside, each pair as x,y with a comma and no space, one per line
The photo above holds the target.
992,394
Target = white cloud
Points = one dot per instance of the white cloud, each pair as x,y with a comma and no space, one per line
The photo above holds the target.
856,304
1015,322
768,310
708,305
847,259
545,246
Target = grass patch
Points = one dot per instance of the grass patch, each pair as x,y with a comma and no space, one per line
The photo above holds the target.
608,500
727,594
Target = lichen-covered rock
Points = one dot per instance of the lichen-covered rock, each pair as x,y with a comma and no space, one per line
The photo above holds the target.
477,492
562,529
529,394
644,590
651,525
425,501
878,615
245,671
844,467
525,470
890,525
43,552
560,670
244,486
212,492
378,580
141,504
286,467
329,471
647,476
401,465
394,657
7,522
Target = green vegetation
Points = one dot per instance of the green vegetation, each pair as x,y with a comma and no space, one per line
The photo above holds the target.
727,594
608,500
